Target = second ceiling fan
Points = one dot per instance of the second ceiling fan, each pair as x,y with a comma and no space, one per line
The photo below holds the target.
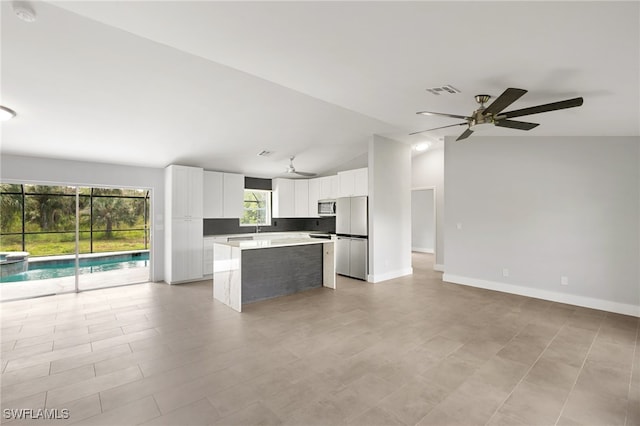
493,113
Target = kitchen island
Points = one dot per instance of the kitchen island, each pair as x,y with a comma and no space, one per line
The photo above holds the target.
249,271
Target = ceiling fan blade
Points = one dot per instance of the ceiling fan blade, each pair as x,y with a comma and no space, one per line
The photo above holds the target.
569,103
465,134
513,124
437,128
507,97
463,117
304,173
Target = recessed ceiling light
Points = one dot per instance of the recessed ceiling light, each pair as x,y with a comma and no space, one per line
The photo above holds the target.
6,113
422,146
24,11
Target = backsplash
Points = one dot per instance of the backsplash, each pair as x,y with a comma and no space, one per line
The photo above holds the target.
232,226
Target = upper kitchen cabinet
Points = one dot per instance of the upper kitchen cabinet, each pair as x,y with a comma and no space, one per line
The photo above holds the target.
223,195
353,183
290,197
314,196
283,198
301,197
328,187
184,191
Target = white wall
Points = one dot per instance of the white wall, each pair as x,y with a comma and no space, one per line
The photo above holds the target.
66,172
543,208
422,220
389,209
427,171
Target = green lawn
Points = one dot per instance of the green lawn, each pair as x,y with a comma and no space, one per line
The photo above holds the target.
58,244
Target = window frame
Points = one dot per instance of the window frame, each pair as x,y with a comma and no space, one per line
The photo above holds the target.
268,209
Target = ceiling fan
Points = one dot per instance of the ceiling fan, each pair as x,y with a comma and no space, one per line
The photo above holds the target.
493,113
292,170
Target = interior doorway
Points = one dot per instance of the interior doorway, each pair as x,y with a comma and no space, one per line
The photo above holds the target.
423,220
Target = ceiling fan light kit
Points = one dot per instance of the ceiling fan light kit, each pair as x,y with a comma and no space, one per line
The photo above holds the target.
493,113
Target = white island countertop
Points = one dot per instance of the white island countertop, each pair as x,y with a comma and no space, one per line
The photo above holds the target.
278,242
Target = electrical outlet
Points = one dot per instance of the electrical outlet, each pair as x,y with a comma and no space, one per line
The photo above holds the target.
505,272
564,280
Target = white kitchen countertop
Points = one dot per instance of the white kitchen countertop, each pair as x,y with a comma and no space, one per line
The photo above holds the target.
277,242
252,234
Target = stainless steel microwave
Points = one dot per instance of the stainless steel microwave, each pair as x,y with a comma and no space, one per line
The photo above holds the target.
327,208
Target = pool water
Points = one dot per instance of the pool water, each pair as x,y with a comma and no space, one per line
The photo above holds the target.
45,270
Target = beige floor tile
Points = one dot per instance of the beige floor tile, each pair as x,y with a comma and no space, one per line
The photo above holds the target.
93,357
449,373
25,374
532,404
414,400
254,414
179,396
48,382
612,353
376,416
501,373
71,392
553,374
125,338
198,413
590,408
133,413
474,402
604,379
31,360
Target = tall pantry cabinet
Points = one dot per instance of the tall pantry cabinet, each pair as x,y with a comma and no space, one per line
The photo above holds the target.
183,224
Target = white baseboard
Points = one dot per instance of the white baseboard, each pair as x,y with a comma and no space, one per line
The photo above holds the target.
438,267
570,299
389,275
422,250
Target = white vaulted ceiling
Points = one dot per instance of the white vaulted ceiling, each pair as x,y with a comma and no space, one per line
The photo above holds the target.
213,83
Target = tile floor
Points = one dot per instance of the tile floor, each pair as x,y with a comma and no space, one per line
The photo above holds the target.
410,351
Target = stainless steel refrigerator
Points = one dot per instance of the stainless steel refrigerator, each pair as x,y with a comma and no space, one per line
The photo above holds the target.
352,229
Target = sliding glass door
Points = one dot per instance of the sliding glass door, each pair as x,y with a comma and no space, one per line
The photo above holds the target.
58,239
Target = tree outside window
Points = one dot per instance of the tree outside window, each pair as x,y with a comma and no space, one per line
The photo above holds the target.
257,208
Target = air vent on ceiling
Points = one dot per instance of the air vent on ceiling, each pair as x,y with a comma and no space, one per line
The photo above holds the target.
265,153
443,90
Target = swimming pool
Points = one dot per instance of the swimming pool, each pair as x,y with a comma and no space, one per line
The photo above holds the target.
44,269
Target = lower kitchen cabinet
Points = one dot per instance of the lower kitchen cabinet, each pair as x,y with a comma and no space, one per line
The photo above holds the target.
184,251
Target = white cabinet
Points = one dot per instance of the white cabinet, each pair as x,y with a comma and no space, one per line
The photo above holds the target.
183,187
353,183
301,197
223,195
183,223
233,192
314,196
212,194
207,253
185,263
283,197
328,187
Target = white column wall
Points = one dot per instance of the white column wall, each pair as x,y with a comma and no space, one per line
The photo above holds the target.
545,208
20,169
389,209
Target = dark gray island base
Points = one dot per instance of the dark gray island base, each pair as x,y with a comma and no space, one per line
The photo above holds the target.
279,271
250,271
